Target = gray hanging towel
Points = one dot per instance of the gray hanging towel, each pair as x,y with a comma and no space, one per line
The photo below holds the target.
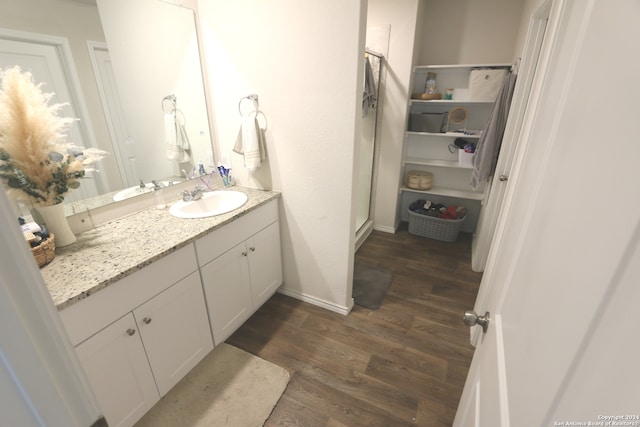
488,148
369,96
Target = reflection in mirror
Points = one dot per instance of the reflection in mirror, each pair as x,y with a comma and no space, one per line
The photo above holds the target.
121,58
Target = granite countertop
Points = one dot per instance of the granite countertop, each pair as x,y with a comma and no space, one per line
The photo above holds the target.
108,253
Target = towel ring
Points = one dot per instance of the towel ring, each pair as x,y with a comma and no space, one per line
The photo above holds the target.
253,98
172,99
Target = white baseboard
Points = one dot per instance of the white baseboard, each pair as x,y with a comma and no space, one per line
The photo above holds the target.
363,233
317,301
390,230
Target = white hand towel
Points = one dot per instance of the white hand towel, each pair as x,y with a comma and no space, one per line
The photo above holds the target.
250,142
176,139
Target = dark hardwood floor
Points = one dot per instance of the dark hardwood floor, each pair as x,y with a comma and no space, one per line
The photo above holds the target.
404,364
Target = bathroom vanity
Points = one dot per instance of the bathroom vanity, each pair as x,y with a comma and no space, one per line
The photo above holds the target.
146,297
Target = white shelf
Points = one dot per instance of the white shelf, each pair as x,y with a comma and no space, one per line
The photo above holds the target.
435,162
428,150
442,191
446,134
452,101
419,68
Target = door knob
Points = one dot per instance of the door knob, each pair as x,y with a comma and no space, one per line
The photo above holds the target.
471,318
503,178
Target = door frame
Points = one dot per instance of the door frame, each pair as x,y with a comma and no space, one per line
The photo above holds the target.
63,50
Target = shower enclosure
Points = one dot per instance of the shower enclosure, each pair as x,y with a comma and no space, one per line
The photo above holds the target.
366,163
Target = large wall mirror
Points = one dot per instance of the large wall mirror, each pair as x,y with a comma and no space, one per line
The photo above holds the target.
136,86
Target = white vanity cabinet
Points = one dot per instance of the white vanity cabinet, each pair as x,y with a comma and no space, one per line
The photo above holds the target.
117,367
138,337
241,267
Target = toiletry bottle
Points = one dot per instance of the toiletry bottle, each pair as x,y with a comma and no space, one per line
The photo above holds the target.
158,198
430,85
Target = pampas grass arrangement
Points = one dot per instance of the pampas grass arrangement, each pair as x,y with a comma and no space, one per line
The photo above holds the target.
37,165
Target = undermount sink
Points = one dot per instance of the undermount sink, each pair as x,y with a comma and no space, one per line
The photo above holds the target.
212,203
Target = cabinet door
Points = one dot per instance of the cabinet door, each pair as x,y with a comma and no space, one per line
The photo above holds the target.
115,363
228,292
265,263
175,331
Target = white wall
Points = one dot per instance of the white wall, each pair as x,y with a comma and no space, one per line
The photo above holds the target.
303,59
401,18
470,31
77,22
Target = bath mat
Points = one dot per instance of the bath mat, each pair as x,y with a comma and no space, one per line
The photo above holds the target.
370,285
229,387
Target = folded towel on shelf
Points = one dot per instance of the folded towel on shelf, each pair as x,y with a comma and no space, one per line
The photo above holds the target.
250,142
176,139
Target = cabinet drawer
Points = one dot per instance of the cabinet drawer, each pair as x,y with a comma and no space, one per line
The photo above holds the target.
92,314
221,240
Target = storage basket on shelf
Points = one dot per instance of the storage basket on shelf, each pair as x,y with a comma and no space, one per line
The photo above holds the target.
445,230
45,252
419,180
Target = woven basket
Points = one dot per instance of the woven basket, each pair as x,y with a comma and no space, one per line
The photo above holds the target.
446,230
45,252
419,180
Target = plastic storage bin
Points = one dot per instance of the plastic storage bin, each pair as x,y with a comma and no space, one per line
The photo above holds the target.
445,230
427,122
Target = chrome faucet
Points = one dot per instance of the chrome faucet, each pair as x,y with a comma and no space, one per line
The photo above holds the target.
196,194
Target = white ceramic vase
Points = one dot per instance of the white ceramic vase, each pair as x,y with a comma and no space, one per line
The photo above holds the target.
56,222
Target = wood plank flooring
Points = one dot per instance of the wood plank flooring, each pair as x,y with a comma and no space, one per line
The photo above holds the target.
402,365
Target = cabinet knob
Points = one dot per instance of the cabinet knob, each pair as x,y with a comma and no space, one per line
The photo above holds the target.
146,320
244,254
252,249
503,178
131,332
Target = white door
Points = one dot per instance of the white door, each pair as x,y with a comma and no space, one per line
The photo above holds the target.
123,144
49,62
175,331
115,362
561,344
265,263
227,290
488,217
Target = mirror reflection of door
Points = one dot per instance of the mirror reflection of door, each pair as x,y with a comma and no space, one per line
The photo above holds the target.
123,144
43,56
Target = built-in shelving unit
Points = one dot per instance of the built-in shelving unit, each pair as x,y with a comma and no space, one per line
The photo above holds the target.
430,151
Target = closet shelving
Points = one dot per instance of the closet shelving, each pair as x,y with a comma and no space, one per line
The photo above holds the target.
429,151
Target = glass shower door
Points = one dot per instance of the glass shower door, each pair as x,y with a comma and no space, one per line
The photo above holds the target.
367,139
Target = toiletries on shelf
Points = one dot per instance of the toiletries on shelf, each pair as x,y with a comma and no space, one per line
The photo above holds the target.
224,174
